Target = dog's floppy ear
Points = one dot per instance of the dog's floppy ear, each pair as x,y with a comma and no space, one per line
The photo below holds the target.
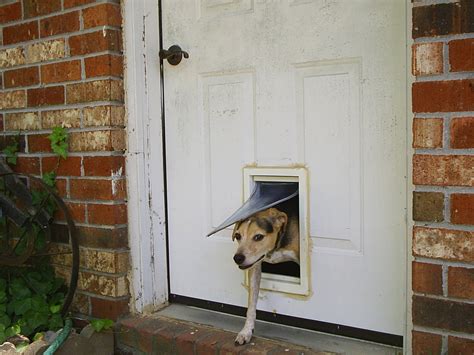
236,226
281,219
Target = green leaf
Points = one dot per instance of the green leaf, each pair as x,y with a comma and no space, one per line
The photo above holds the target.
21,306
101,324
11,151
21,347
39,304
36,319
4,321
3,297
38,336
49,178
55,308
56,322
13,330
19,288
58,140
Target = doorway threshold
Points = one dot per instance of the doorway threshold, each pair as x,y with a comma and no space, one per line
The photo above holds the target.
307,338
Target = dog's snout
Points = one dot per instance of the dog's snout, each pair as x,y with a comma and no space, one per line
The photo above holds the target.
239,258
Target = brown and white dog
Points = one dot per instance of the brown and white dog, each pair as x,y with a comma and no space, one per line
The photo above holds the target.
269,236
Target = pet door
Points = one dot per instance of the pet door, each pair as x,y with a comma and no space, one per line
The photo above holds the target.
287,277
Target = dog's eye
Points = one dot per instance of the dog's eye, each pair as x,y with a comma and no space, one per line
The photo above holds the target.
237,236
258,237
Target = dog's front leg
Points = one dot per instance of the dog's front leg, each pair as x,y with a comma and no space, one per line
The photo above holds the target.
246,333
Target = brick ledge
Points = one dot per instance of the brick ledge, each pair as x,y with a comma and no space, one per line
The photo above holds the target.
163,335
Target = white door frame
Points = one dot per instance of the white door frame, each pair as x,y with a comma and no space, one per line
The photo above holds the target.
145,161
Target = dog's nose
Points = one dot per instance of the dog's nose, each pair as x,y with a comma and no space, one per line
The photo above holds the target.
239,258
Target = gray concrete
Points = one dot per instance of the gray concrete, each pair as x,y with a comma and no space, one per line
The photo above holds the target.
315,340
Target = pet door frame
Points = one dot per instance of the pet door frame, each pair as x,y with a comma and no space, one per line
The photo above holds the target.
274,282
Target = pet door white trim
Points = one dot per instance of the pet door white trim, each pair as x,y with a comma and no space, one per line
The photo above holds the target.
275,282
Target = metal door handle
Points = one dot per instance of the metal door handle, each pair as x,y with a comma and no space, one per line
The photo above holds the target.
173,54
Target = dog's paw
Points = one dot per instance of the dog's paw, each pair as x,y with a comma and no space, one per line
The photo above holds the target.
244,336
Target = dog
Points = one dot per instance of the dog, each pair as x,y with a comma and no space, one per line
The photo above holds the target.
271,236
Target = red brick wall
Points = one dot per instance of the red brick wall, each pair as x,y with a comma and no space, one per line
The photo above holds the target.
61,64
443,175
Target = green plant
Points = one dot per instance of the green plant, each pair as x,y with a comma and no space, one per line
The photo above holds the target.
59,141
101,324
31,298
11,151
30,301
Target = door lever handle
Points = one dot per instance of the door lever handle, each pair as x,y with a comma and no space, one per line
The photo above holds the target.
173,54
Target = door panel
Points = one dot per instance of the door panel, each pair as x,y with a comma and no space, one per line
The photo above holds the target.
282,83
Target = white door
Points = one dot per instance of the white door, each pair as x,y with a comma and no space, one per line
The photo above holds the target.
282,83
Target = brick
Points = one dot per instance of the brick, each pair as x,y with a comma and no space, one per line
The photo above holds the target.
444,244
80,304
59,72
146,334
165,338
185,342
20,33
461,55
104,116
11,139
427,278
107,40
64,23
104,166
76,210
461,282
426,343
443,19
73,3
462,133
38,143
11,57
105,238
210,344
71,166
428,206
460,346
97,189
44,51
443,96
110,285
462,209
52,95
104,65
99,90
102,15
22,121
104,261
10,12
69,118
27,165
33,8
109,308
12,99
1,122
107,214
90,141
443,170
21,77
118,139
427,58
449,315
127,333
428,133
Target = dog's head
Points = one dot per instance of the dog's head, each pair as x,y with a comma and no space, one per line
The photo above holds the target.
258,235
